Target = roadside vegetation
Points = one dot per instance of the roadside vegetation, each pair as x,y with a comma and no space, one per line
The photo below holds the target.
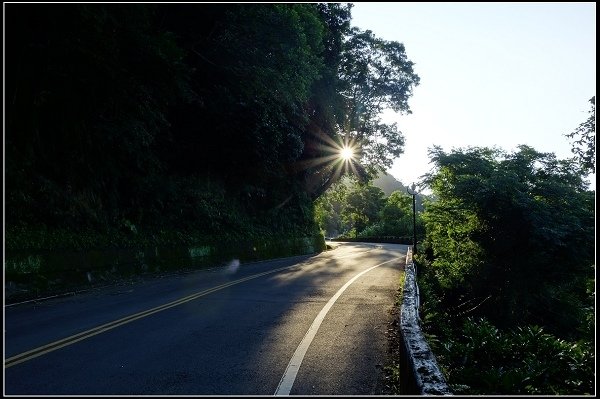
507,272
351,209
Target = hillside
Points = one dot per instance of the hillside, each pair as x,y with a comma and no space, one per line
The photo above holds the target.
388,184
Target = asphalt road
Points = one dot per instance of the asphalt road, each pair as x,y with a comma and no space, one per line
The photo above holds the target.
309,325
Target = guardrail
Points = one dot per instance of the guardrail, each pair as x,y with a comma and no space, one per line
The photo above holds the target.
385,239
423,376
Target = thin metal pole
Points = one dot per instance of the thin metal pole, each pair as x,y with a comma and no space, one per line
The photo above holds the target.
414,225
414,193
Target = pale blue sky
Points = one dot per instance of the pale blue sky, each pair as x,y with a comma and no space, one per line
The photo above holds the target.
492,74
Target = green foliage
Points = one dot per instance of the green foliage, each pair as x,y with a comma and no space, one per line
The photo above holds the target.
90,86
95,139
356,210
526,360
375,75
397,205
397,216
200,118
502,224
371,75
363,204
499,247
348,208
584,140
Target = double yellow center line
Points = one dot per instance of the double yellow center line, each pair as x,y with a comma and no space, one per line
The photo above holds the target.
42,350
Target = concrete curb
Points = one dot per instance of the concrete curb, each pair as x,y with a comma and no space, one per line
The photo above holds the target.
424,377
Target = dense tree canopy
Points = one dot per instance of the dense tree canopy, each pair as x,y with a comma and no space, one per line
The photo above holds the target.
506,226
191,115
508,271
355,210
374,74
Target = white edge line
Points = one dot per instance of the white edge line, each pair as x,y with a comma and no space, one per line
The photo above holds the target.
291,371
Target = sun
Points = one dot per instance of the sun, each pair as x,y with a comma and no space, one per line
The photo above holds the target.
346,153
338,155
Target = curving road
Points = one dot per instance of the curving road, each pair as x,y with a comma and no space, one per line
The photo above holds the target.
308,325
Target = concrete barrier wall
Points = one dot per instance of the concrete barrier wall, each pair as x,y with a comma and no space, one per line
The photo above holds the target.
35,274
418,365
385,239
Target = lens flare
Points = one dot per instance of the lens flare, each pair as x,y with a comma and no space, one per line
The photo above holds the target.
347,153
332,158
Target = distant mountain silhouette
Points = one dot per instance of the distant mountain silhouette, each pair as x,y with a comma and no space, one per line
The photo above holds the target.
388,184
